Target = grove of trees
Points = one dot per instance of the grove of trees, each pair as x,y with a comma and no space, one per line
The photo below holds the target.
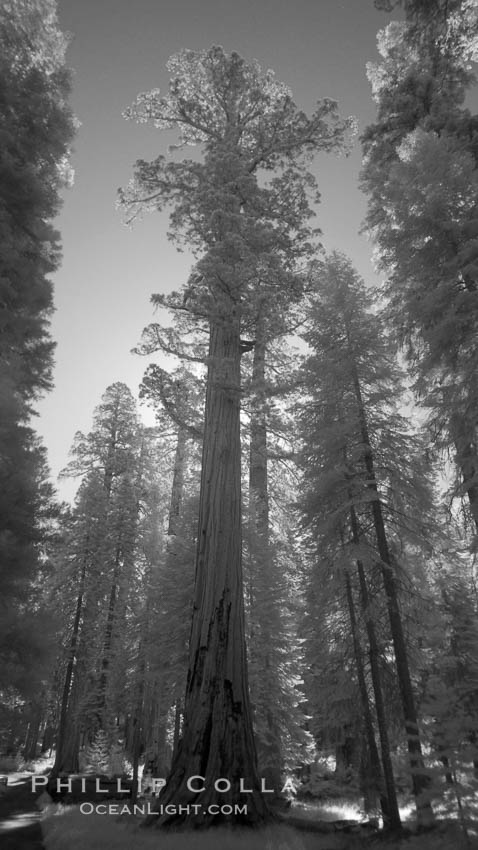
274,587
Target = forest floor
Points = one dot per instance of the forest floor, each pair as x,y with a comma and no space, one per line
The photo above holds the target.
19,817
65,828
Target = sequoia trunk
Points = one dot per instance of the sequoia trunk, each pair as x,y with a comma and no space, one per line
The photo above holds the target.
217,741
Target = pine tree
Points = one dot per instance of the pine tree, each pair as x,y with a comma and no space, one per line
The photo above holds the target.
452,683
27,626
36,128
356,457
97,756
101,551
79,558
420,173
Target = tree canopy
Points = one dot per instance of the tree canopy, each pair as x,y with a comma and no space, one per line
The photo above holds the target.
36,130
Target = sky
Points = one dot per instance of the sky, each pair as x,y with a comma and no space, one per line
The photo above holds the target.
119,48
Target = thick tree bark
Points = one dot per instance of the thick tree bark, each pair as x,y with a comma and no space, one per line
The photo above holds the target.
420,780
217,739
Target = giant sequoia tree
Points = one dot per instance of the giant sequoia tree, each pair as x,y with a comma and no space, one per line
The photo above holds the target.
244,208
